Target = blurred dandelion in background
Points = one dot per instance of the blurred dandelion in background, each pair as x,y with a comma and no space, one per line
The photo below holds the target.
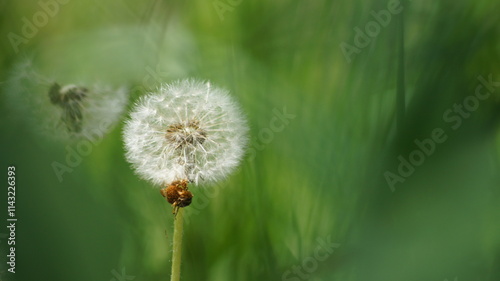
64,110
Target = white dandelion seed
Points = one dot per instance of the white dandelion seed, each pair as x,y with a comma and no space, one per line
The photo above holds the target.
64,111
188,130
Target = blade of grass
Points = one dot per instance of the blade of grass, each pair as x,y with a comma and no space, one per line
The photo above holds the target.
400,91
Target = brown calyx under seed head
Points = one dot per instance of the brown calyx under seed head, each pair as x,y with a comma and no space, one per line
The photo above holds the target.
177,194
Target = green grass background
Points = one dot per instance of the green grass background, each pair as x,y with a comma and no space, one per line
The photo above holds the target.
321,177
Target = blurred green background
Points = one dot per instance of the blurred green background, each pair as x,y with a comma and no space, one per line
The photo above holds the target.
319,177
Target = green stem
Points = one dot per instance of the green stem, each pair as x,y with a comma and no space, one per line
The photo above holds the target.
177,245
401,96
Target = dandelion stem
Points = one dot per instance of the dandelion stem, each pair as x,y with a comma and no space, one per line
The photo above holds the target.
177,245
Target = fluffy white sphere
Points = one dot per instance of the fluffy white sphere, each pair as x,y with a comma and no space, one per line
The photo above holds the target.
64,109
186,130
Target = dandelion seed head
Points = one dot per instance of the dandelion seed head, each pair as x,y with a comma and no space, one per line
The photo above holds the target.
61,110
185,130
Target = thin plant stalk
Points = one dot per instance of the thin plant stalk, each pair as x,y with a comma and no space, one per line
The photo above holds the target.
400,96
179,222
177,245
